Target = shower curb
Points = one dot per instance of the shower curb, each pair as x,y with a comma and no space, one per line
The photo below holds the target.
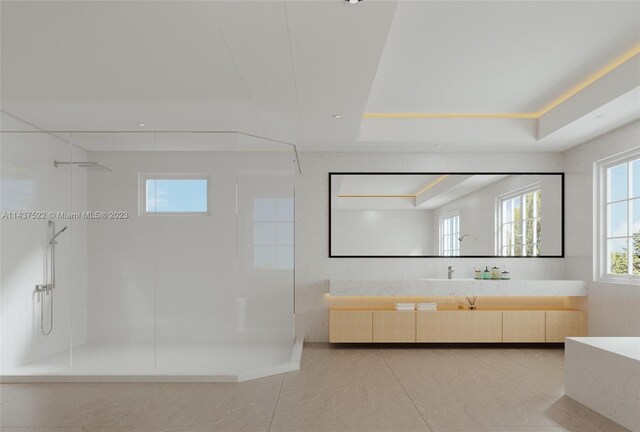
292,365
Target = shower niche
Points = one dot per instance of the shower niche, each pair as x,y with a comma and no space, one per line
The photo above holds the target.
176,261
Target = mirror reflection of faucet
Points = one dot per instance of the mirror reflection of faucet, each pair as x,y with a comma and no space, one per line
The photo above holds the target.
450,276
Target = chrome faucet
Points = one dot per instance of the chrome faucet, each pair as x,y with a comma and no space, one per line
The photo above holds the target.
450,268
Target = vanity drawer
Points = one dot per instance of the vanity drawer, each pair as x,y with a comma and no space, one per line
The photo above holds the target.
561,324
523,326
394,326
350,326
459,326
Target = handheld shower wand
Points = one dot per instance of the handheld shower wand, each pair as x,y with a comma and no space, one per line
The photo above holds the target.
47,288
52,241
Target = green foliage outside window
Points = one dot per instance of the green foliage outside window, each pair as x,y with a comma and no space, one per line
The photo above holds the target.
619,261
521,225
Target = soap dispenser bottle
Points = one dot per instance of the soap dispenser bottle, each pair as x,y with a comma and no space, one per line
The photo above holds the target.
486,274
495,273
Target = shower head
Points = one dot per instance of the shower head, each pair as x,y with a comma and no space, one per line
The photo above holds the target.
93,166
57,234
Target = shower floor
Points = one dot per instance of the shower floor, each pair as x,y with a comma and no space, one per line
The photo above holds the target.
237,361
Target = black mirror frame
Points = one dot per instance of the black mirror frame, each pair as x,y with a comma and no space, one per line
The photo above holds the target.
561,174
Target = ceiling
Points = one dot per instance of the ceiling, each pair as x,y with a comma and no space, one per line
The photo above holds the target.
508,57
282,69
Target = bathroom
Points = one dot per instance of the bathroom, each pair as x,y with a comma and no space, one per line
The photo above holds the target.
185,216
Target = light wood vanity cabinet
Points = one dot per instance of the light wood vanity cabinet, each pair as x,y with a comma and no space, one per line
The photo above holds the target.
459,326
350,326
523,326
561,324
456,325
394,326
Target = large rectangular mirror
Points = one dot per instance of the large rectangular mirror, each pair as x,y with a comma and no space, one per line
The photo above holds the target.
446,214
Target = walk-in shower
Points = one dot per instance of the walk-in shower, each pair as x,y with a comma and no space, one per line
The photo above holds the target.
175,262
46,290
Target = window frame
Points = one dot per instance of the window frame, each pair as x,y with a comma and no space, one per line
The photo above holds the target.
601,238
142,192
442,220
520,192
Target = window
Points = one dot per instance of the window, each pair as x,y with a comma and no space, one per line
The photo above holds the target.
273,233
620,219
519,222
174,194
449,233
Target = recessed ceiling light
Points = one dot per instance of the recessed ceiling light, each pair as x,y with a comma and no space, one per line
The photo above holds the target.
601,116
336,116
141,124
353,1
438,145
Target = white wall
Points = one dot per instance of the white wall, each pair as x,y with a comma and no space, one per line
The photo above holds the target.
31,183
314,268
382,232
613,308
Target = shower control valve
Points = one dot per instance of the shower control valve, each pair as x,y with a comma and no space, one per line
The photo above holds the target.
44,287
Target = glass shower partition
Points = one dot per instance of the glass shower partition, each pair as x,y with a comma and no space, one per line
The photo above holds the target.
178,260
196,253
117,256
265,254
36,270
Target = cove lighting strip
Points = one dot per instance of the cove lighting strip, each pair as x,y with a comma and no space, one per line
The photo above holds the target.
416,195
535,115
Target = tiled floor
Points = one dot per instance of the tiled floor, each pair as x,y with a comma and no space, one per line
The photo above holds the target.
369,389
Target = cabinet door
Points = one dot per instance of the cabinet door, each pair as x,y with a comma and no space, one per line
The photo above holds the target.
350,326
394,326
523,326
459,326
561,324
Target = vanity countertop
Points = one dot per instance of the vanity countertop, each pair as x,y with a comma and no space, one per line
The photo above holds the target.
459,287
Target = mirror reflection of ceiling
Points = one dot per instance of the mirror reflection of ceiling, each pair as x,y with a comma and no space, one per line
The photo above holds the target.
282,70
418,192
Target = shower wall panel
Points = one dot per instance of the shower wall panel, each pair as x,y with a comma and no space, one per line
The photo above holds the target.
31,183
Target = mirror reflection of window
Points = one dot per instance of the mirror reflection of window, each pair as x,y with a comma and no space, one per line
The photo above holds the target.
449,233
520,230
273,233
